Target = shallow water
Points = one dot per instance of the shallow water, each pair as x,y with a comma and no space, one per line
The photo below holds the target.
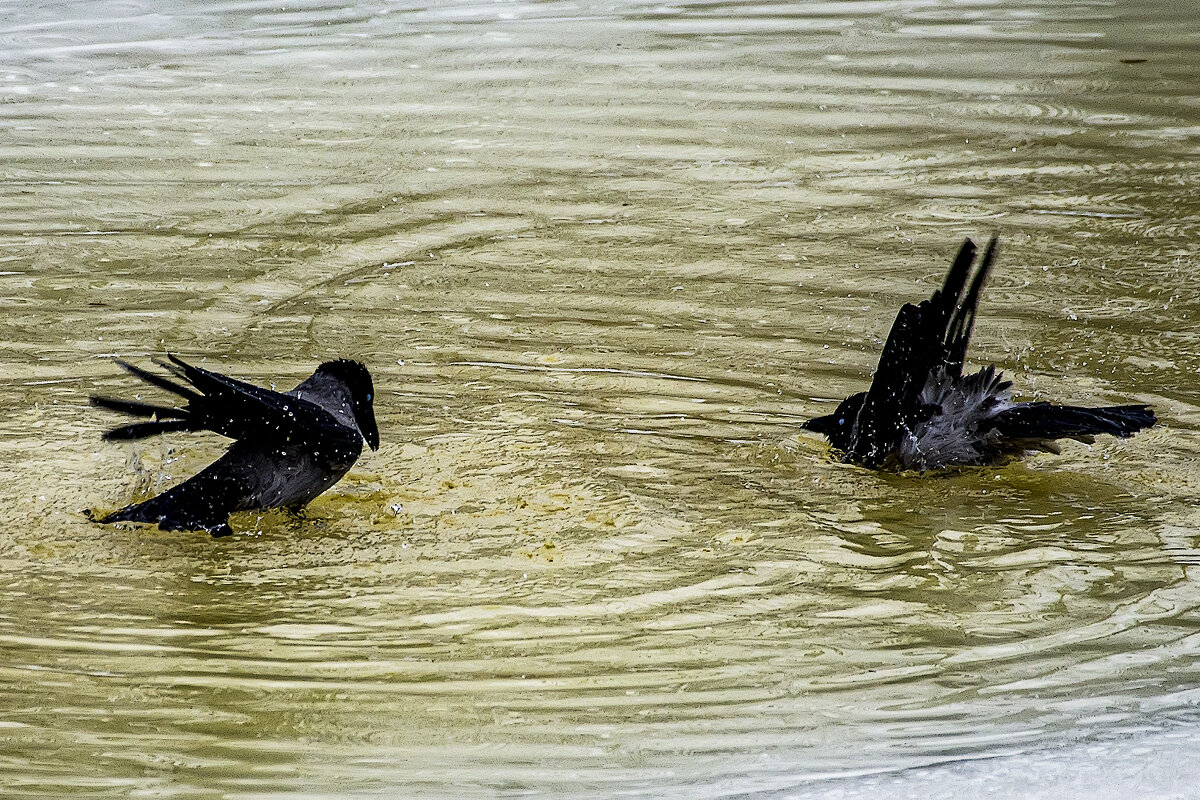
601,260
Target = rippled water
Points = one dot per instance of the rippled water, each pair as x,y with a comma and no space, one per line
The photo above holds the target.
601,260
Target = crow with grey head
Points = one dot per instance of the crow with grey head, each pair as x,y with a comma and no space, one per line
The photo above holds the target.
922,413
288,447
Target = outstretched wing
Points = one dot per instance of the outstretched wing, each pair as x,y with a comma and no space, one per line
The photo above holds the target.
1042,420
930,335
958,336
224,405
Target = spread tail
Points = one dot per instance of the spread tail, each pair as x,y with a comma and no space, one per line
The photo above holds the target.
169,518
1046,421
131,513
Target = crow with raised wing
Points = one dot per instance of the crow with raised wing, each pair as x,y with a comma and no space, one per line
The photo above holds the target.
288,447
921,413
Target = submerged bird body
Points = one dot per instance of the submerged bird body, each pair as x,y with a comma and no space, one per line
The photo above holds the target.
289,446
922,413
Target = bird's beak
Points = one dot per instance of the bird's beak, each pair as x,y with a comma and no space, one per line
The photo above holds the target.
364,415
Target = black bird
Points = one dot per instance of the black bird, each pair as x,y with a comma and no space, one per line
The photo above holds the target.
288,447
922,413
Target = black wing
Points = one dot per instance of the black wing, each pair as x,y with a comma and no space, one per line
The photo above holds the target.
958,336
224,405
929,335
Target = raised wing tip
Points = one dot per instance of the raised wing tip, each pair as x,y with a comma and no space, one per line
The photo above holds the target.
989,252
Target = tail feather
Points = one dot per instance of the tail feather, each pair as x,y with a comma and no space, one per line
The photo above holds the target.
1046,421
203,504
130,513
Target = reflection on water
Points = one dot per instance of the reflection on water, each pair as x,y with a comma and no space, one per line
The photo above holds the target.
601,263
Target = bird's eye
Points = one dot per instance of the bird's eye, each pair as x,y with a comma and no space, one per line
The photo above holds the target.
369,397
842,421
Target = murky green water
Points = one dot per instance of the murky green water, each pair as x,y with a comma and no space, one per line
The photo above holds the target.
601,259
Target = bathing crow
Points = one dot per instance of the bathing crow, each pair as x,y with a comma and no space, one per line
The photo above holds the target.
288,446
922,413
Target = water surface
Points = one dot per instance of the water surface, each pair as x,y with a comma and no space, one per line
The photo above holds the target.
602,260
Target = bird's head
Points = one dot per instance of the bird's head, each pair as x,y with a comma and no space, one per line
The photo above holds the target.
362,395
837,426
